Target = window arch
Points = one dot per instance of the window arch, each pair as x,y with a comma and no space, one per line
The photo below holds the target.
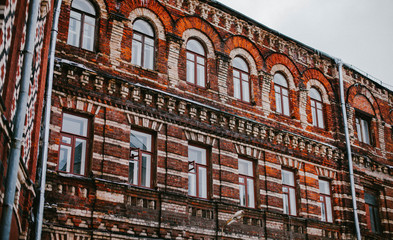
196,63
316,108
143,44
82,27
282,94
241,79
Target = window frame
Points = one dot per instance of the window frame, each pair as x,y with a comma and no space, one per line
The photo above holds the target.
314,105
73,137
281,95
245,184
241,80
82,25
361,117
195,64
377,227
197,167
152,155
143,42
322,199
294,187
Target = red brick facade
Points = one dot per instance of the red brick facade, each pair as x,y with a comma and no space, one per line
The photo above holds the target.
12,42
118,97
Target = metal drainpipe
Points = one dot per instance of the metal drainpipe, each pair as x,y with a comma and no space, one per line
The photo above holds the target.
48,103
19,122
349,151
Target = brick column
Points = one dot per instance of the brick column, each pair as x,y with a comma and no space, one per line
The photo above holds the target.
267,79
223,61
174,43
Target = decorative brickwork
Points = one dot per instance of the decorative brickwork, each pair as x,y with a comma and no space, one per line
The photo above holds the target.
120,98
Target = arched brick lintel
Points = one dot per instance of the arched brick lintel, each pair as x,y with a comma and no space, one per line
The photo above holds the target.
315,74
244,43
186,23
279,58
157,8
358,89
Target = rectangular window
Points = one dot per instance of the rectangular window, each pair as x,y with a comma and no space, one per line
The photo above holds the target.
363,129
373,221
288,192
140,159
197,172
326,201
74,144
246,183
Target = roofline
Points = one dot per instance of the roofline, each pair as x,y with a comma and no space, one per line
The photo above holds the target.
227,9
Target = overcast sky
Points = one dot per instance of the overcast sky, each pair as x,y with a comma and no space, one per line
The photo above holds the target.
360,32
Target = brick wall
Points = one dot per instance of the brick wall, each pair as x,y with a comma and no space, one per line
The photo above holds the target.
118,97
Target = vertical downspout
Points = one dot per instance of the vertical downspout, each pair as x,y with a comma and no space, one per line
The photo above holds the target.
47,111
349,151
19,122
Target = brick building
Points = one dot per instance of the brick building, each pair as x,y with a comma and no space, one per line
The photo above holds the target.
13,27
170,116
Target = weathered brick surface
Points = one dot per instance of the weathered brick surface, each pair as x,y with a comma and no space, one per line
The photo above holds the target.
119,96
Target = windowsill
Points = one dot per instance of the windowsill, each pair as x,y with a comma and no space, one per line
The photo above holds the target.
197,86
144,68
82,49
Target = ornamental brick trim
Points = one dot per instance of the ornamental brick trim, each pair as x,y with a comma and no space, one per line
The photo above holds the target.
248,151
199,137
144,122
325,172
79,104
290,162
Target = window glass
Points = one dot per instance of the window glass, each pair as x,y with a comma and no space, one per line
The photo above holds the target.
314,94
143,44
372,212
194,46
74,124
246,183
82,23
288,178
73,145
325,200
281,94
196,63
363,129
241,84
143,27
84,6
240,64
316,108
279,79
197,172
141,159
288,192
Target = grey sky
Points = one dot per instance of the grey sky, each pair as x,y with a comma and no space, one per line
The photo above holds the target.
360,32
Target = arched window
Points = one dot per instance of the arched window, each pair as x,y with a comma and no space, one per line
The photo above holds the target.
196,63
143,44
316,108
82,28
241,82
282,94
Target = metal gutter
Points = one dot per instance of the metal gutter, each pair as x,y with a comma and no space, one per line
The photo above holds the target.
349,151
46,121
